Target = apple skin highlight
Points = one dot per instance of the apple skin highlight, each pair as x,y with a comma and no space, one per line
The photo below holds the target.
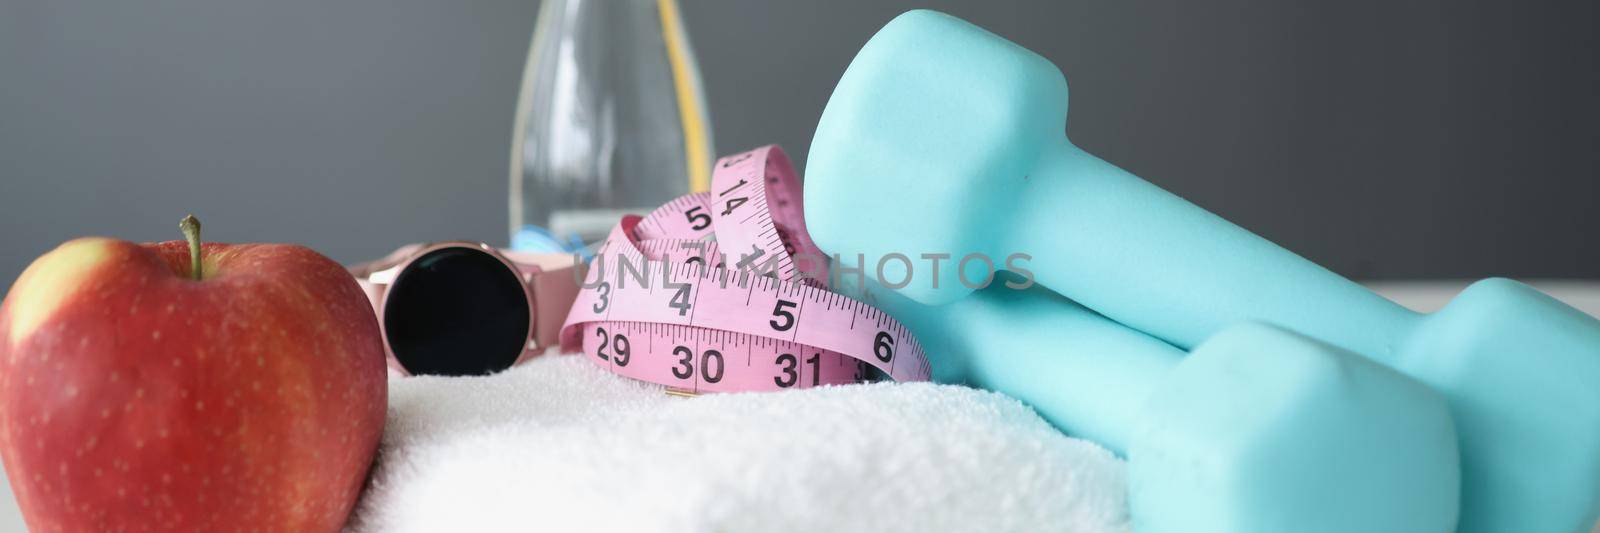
131,394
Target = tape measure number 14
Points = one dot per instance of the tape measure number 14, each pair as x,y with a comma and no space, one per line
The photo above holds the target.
660,301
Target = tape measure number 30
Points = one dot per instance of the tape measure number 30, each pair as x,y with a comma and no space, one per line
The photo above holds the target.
661,303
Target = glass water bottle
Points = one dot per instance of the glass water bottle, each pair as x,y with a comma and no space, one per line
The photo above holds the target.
611,120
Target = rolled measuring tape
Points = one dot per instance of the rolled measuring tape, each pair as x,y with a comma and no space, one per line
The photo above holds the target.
724,291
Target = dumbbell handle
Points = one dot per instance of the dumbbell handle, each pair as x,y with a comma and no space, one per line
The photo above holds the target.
1149,259
1081,371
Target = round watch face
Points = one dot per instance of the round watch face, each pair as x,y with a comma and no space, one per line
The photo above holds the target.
457,311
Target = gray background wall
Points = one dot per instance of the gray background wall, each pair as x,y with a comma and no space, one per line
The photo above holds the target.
1384,139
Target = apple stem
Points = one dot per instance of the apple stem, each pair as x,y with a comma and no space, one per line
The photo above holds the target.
190,226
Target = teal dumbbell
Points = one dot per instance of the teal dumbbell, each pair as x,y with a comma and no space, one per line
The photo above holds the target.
1257,430
942,138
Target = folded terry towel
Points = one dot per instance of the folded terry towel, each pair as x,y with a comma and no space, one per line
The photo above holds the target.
560,445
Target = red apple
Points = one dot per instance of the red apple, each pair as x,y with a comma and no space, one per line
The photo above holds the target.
134,394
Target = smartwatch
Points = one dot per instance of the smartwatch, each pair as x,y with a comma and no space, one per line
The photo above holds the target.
464,308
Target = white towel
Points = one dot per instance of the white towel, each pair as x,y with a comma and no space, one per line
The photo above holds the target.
560,445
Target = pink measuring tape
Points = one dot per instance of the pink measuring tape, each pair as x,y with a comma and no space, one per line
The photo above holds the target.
661,303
